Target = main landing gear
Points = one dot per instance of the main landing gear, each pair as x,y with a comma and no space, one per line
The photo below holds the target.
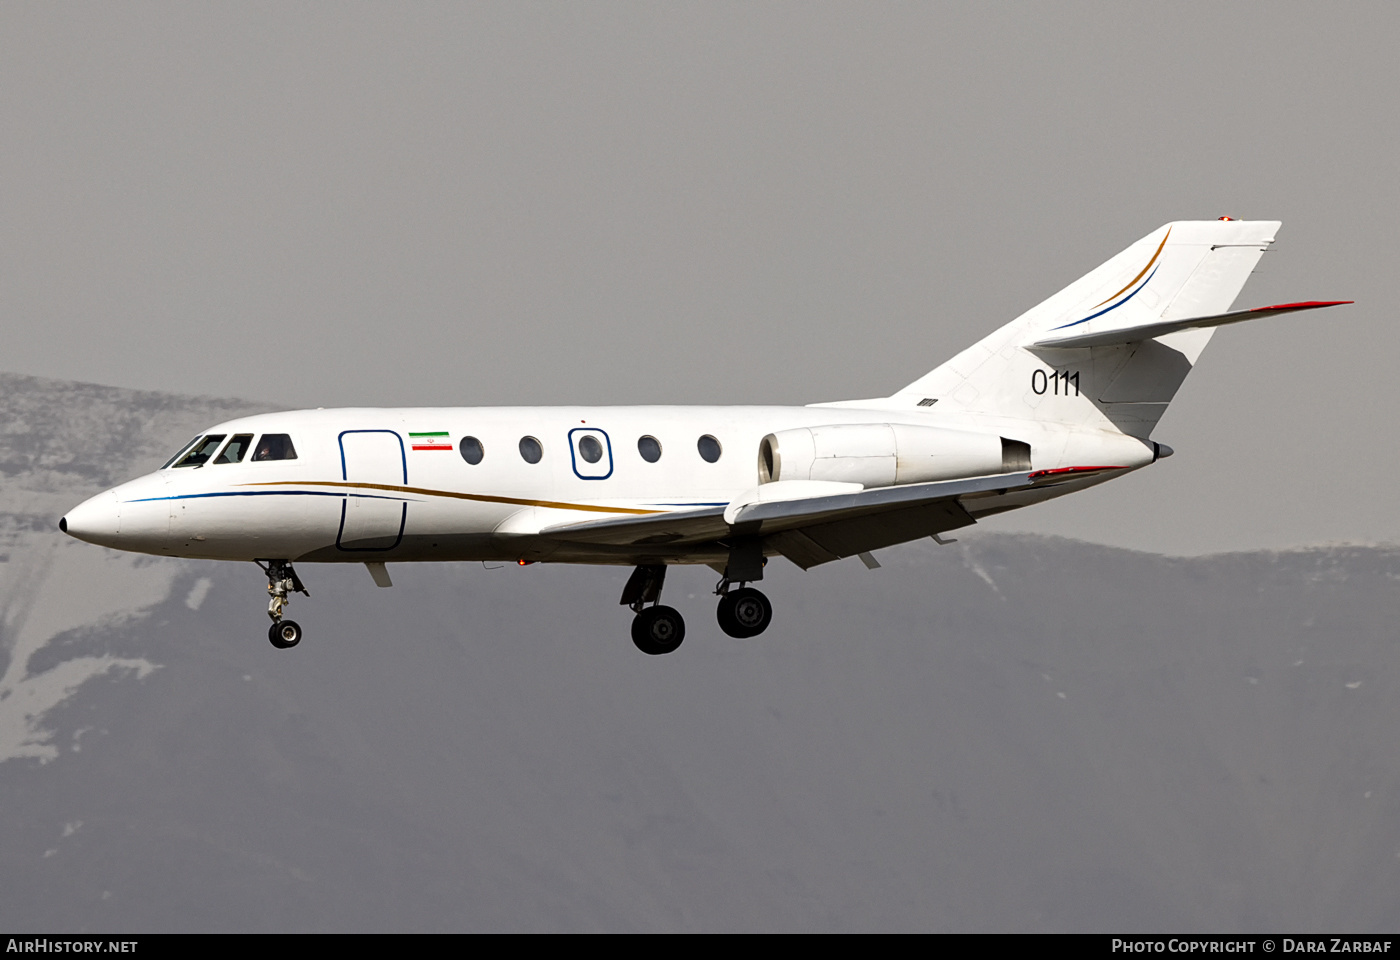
281,580
744,612
657,629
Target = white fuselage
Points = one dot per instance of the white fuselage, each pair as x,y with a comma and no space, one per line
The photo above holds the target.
394,485
1063,397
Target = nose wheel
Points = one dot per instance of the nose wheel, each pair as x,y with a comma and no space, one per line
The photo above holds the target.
745,612
282,581
284,634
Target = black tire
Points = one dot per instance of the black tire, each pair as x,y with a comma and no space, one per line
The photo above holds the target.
744,613
657,630
284,634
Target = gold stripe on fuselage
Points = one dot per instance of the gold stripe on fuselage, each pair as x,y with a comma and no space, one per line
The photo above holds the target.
478,497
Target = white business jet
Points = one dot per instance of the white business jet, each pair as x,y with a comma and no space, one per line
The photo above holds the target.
1062,398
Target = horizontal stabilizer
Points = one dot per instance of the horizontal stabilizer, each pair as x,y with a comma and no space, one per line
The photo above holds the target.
1148,331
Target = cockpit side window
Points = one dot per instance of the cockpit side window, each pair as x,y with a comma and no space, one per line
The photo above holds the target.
237,449
203,449
275,446
183,450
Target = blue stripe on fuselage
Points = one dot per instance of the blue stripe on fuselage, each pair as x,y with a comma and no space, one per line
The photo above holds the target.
268,493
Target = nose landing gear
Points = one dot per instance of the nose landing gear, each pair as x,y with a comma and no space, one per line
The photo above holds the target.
656,629
284,634
282,579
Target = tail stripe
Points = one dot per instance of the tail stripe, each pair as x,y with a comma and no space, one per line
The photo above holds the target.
1120,302
1122,377
1139,276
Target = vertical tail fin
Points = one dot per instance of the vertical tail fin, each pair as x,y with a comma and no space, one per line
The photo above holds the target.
1184,269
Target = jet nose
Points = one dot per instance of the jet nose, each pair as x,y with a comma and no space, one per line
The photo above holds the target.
95,520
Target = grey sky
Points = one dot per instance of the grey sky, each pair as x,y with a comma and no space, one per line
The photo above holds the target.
317,205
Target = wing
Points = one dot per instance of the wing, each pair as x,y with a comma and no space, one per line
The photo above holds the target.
816,529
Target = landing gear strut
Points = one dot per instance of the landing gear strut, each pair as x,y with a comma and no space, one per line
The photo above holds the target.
281,580
656,629
744,612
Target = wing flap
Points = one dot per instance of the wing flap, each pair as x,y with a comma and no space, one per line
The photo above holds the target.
801,549
822,542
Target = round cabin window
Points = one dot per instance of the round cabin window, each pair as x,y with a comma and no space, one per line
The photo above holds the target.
530,450
649,448
709,448
590,449
471,450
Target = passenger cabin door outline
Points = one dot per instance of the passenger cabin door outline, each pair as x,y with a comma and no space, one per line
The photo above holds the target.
372,521
599,468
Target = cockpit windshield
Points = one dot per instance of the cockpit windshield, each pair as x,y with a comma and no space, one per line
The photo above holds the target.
201,450
272,446
237,448
183,450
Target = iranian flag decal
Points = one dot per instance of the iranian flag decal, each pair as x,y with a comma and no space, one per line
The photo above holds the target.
433,440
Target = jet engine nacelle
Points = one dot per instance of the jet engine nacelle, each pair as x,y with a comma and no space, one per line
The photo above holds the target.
885,454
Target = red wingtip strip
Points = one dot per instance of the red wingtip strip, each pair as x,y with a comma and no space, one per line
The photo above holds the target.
1303,305
1062,470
